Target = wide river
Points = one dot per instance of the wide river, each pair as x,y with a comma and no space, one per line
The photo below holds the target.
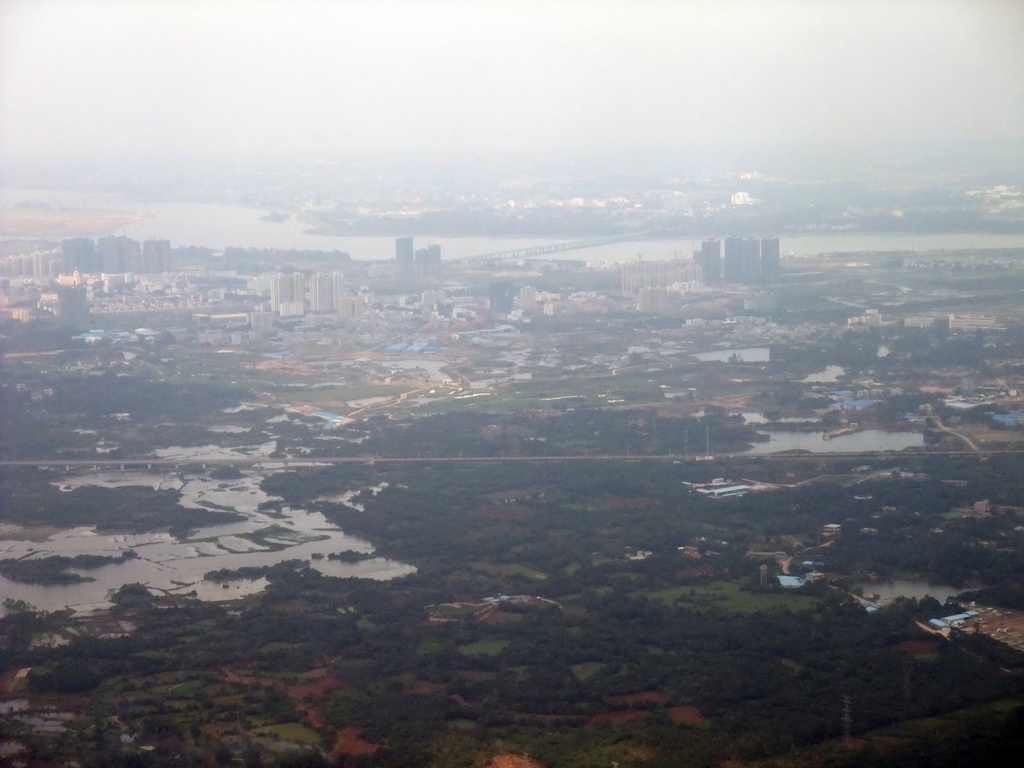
217,225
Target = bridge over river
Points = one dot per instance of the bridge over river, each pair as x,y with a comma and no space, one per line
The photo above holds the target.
540,250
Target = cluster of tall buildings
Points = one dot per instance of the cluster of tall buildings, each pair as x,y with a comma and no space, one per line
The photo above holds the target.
115,253
294,294
417,261
35,264
744,260
638,276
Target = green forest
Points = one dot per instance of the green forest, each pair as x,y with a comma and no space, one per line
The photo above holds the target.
668,659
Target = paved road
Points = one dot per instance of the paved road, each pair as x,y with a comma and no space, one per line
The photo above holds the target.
144,463
970,443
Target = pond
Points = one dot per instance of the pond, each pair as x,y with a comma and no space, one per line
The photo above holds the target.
889,590
171,565
830,375
857,442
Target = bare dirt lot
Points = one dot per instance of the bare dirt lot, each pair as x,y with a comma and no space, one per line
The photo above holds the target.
1004,626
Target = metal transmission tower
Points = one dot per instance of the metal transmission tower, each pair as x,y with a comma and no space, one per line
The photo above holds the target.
846,718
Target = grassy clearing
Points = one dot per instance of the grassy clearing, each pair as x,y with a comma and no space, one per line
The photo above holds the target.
586,670
728,596
488,647
530,573
294,732
428,646
181,689
961,512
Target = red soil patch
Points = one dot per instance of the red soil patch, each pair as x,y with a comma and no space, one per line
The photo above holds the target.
317,688
685,715
918,648
623,716
697,570
350,741
513,761
630,698
422,686
628,502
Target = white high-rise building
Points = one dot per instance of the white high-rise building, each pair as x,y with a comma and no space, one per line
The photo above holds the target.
288,295
324,290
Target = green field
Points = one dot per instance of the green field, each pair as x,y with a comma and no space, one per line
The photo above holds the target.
489,647
728,596
293,732
530,573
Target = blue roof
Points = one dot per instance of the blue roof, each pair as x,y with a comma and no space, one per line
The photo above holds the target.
1007,418
959,616
855,404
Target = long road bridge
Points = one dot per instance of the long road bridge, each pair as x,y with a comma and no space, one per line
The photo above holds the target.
540,250
276,463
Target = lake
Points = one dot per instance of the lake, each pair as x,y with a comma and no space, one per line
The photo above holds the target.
888,590
857,442
178,566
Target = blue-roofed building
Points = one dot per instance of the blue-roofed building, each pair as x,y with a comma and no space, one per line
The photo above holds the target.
956,620
790,582
959,616
1009,419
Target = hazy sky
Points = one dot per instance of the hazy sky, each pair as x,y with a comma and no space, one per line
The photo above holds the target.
348,76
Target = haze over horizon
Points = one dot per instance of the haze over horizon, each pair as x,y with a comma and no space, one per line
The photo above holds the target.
273,80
